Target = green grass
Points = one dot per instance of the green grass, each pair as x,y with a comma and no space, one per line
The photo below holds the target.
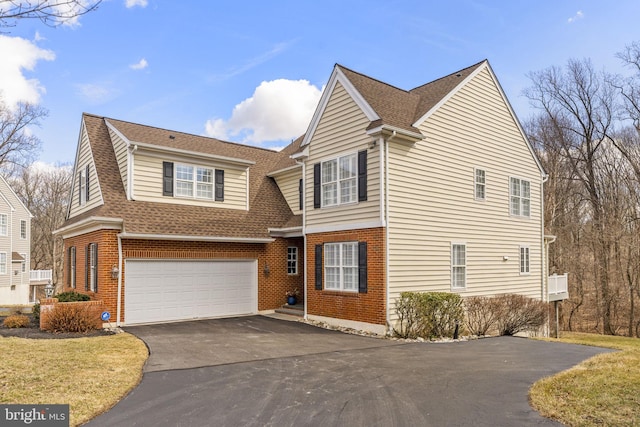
601,391
89,374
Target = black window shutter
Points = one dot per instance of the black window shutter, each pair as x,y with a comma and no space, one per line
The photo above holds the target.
300,190
69,267
316,185
219,185
95,269
87,181
318,264
87,269
167,179
362,175
362,267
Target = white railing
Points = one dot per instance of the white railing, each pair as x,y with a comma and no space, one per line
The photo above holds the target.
558,284
40,275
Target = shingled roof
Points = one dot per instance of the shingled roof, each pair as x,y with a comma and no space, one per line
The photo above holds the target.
268,208
402,108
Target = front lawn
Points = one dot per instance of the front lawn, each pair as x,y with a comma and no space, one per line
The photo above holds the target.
604,390
89,374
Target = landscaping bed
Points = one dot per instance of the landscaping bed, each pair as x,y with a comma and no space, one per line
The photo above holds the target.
33,331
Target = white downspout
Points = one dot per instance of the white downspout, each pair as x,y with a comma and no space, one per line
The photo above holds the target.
119,300
304,236
544,255
386,237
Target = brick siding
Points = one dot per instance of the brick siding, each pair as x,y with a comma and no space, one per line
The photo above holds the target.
367,307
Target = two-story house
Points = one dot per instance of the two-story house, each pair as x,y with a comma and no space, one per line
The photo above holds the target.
15,247
389,190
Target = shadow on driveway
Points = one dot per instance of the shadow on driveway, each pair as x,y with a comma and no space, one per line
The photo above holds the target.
335,379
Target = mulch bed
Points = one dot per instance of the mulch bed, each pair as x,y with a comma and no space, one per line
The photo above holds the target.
34,331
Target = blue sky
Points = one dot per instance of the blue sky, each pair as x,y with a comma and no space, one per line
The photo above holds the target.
253,71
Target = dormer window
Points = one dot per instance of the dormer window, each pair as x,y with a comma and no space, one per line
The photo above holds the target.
191,181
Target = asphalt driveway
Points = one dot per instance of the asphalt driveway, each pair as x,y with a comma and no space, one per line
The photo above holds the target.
259,371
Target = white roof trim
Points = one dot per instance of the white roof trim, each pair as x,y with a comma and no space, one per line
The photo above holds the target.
90,224
376,130
286,232
300,154
191,238
337,76
283,170
448,96
17,198
159,148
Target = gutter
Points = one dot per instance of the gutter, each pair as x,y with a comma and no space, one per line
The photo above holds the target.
221,239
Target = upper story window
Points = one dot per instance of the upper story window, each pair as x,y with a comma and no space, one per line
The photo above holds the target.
520,197
4,231
197,182
23,229
340,180
480,184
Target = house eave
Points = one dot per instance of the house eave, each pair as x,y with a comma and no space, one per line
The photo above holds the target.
286,232
283,170
399,133
88,225
189,153
192,238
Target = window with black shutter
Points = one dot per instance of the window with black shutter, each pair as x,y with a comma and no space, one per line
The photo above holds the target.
167,179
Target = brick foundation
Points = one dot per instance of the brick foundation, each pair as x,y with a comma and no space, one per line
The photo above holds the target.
272,287
367,307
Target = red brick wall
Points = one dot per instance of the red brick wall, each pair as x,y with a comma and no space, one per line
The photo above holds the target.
367,307
271,287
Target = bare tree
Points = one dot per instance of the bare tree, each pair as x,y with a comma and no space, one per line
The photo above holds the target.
50,12
18,145
45,192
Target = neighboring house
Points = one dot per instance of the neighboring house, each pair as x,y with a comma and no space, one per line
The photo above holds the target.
431,189
15,247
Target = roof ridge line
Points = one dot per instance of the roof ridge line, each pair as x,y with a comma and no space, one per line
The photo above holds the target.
448,75
373,78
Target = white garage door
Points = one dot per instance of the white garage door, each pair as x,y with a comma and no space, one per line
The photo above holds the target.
160,291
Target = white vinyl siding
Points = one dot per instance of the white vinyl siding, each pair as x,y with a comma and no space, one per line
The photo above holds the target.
432,202
85,158
520,197
341,131
480,184
341,266
458,266
148,183
288,183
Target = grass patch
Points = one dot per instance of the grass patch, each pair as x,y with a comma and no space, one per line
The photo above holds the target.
89,374
604,390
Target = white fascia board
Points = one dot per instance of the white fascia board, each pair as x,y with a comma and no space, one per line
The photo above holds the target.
88,225
196,154
301,154
337,76
75,168
221,239
286,232
287,169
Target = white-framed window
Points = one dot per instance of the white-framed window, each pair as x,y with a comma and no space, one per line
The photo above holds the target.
93,267
458,265
480,184
3,263
4,227
341,266
292,260
23,229
194,181
339,180
525,262
24,263
520,197
83,186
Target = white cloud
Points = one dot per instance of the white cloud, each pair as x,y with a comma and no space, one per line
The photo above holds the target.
140,65
20,55
133,3
96,93
37,37
579,15
278,110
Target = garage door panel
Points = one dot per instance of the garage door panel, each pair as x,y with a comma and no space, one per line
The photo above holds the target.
157,291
